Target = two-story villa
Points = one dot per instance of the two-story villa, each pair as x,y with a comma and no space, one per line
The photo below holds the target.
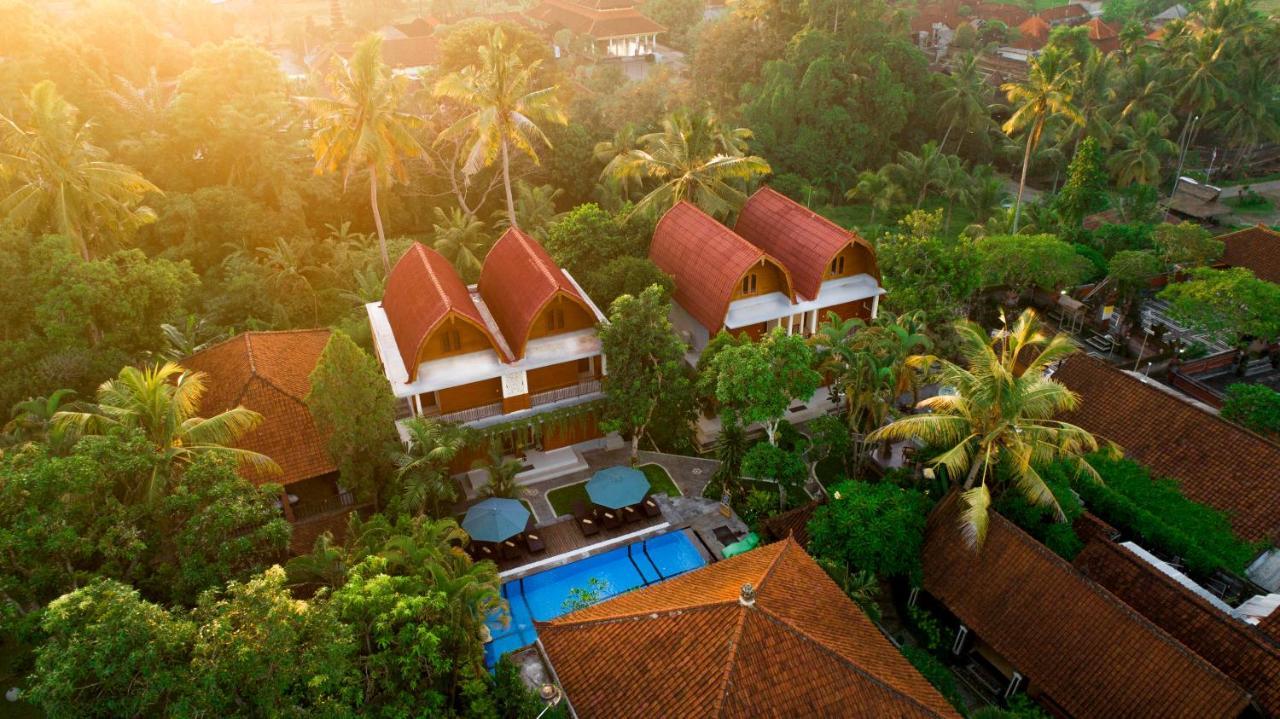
515,356
781,266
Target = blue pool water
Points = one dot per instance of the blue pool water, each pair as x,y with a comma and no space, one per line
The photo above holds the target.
541,596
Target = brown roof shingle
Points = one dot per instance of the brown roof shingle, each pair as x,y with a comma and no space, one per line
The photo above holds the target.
793,523
1256,248
688,648
706,260
609,21
1239,649
801,239
518,279
269,373
1215,462
1074,641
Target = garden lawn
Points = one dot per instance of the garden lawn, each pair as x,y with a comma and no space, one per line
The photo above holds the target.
562,498
1263,206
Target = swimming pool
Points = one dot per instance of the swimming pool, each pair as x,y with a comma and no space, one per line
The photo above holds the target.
541,596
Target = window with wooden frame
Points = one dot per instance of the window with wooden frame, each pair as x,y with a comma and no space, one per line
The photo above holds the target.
555,318
451,341
749,284
837,265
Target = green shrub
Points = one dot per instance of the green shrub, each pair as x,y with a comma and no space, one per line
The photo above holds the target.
1041,522
872,527
936,672
759,505
1254,406
928,627
1159,516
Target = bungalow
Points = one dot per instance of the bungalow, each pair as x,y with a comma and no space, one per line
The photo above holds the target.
1030,622
781,266
765,633
616,28
516,357
270,373
1103,36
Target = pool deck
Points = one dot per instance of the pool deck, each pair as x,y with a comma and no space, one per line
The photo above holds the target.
566,543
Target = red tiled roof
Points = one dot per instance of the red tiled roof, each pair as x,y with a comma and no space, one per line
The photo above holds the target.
269,373
422,290
793,523
419,27
518,279
1270,625
1075,642
600,24
1010,15
1215,462
413,51
1034,32
1063,12
705,258
1239,649
1099,30
688,648
804,241
1257,248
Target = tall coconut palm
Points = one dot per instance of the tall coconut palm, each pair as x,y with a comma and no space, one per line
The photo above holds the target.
964,99
1141,87
31,420
1094,91
1045,92
61,182
504,110
1144,143
162,402
535,209
987,195
876,190
614,152
999,427
1254,112
360,126
423,467
462,239
955,183
694,157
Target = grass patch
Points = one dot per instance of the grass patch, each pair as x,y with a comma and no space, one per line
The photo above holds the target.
562,498
1251,204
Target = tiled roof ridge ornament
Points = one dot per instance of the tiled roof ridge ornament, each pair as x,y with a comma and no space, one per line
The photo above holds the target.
748,596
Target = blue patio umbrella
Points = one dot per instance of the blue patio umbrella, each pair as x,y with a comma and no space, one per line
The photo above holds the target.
618,487
495,519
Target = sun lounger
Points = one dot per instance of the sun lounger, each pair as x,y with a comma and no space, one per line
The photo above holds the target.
585,518
510,550
630,514
650,507
532,541
611,518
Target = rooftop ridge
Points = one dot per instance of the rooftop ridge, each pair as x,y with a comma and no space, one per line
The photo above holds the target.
421,251
731,662
854,235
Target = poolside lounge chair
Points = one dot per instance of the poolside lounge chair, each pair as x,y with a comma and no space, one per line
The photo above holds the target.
611,518
650,507
485,550
585,518
510,550
630,514
532,541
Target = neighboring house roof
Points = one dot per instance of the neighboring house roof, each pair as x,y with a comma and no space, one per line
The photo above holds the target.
419,27
1075,642
1034,33
706,260
1173,12
1256,248
1215,462
411,52
269,373
793,523
422,290
804,241
688,647
599,24
1102,35
518,279
1010,15
1270,625
1196,199
1063,12
1239,649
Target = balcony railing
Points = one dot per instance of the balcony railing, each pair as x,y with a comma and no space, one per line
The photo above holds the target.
463,416
557,395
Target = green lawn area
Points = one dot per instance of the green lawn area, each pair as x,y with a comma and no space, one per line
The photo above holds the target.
1261,206
858,217
562,499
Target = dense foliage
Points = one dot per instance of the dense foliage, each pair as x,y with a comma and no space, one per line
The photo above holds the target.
871,527
1255,406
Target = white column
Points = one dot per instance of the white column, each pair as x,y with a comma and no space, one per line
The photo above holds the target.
813,323
875,306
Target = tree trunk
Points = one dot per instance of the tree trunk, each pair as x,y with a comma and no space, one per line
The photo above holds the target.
377,219
506,182
1022,184
635,447
946,135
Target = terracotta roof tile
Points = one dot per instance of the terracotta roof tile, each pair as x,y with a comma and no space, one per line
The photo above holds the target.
1033,33
1215,462
1063,12
1257,248
412,51
1010,15
422,290
518,279
1074,641
1270,625
801,239
688,648
706,260
1240,650
793,523
269,373
611,20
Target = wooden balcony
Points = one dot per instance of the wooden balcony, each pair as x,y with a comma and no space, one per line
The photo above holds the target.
556,395
463,416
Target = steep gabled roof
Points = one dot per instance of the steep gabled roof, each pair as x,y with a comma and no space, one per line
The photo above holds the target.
1256,248
1240,650
1074,641
1033,32
1010,15
269,373
804,241
706,260
688,648
1215,462
422,290
518,279
1063,12
611,20
1099,30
